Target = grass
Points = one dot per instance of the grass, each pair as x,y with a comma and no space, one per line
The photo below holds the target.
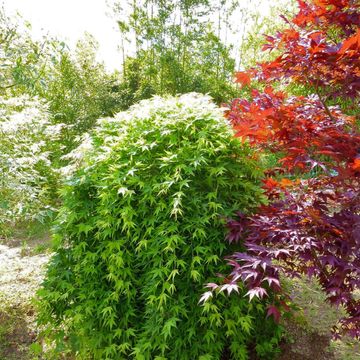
27,235
308,331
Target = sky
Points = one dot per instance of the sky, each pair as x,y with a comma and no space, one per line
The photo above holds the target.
69,20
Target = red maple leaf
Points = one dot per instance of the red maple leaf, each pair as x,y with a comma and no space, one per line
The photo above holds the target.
242,78
274,311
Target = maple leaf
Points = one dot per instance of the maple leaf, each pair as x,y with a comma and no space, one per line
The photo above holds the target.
286,182
270,184
274,311
205,297
290,34
229,288
352,43
242,78
356,164
272,281
258,292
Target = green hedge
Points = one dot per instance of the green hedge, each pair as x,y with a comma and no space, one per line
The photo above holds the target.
142,230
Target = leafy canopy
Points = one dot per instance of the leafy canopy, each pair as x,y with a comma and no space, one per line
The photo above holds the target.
177,46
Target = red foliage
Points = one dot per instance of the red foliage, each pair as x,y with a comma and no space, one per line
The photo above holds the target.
344,14
309,134
243,78
312,222
311,56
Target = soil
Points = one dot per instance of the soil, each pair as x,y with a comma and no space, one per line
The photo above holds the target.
16,336
305,345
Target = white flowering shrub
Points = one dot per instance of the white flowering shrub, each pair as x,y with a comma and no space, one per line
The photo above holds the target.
27,142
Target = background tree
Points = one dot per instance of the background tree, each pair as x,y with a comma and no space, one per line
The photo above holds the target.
28,178
176,48
22,60
60,89
77,88
252,34
79,91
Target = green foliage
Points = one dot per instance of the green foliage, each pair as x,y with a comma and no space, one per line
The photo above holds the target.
28,180
253,38
141,230
48,97
177,50
21,65
76,87
79,91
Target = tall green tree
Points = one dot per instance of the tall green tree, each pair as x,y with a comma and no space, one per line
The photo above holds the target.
175,48
79,90
22,60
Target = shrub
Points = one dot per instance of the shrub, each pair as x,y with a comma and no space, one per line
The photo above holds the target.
27,177
140,232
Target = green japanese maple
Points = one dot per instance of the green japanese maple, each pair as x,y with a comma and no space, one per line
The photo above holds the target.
140,232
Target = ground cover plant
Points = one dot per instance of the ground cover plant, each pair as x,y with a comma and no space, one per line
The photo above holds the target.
311,225
141,230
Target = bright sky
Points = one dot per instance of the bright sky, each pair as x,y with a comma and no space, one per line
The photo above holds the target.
68,20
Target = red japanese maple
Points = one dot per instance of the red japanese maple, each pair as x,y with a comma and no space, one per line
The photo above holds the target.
320,49
312,222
